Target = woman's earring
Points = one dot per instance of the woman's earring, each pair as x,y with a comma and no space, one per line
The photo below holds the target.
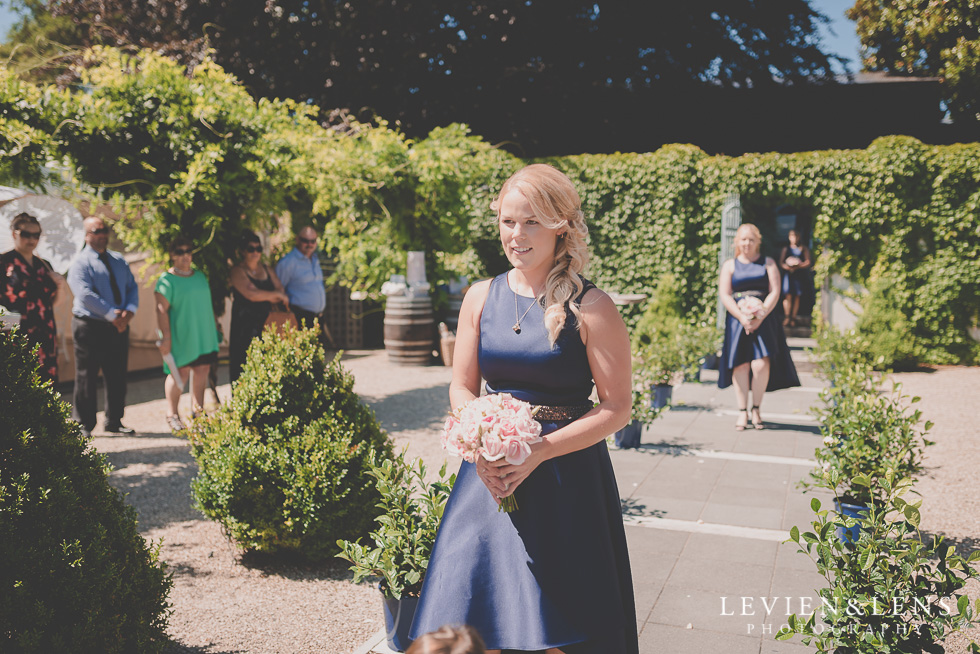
562,235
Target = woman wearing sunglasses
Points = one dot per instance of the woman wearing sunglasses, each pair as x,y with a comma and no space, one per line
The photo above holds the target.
254,288
29,286
188,330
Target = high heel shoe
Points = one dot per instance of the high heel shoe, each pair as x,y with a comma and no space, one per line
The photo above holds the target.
739,425
758,424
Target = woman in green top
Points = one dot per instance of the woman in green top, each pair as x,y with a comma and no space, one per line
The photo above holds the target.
185,316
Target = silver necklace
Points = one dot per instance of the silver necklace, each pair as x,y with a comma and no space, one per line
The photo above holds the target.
517,325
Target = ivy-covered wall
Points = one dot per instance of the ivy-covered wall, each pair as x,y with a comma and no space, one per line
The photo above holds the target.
901,218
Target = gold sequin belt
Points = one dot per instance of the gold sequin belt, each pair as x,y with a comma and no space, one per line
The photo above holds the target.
555,413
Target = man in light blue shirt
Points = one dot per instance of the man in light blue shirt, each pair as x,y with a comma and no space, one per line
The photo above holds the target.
106,297
300,274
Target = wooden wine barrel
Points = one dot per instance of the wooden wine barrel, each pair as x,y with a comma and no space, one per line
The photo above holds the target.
452,312
410,331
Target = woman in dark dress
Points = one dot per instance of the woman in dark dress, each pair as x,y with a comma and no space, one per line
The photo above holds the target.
30,287
553,575
795,262
754,356
254,287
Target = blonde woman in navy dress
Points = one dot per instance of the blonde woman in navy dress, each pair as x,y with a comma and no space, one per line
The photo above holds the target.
754,355
554,575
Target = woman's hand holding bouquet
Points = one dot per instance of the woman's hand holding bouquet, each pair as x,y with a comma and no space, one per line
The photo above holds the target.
493,427
752,307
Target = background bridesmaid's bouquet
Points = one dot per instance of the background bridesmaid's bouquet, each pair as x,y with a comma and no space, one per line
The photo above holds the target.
495,427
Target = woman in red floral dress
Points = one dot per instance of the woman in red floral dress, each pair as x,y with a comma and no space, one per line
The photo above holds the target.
30,287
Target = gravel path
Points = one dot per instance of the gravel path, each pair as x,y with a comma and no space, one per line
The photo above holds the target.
224,604
950,487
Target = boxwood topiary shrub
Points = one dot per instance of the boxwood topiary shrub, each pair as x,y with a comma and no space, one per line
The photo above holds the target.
284,464
75,574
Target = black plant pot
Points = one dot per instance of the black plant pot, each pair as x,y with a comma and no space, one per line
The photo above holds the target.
629,436
661,395
399,614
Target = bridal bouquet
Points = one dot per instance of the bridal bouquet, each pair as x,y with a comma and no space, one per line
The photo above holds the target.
752,307
495,427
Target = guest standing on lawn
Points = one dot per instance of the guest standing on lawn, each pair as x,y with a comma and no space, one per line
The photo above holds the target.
553,575
106,298
754,355
254,286
188,330
300,274
29,286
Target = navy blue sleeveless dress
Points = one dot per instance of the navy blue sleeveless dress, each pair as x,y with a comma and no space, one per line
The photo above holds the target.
797,282
768,340
554,573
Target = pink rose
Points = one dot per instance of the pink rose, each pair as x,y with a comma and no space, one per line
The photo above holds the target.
516,452
529,428
507,430
493,447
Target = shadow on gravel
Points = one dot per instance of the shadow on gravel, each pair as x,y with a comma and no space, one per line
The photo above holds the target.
419,408
964,546
157,482
296,567
347,356
179,648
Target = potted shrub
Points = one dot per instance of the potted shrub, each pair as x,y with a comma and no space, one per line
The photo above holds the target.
867,434
867,431
890,590
643,412
665,343
411,509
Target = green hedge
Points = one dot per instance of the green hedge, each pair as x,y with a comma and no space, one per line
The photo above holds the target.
285,464
900,217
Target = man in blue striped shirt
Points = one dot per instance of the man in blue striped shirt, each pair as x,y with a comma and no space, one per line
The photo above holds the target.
300,274
106,297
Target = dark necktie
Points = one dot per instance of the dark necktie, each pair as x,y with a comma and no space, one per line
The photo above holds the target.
116,295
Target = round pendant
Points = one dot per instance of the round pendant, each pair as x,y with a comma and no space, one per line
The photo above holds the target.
516,328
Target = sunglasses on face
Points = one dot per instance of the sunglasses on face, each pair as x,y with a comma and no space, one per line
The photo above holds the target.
33,235
182,251
253,248
100,231
307,241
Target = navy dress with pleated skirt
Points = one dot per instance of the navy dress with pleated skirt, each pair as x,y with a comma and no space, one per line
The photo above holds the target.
769,340
554,573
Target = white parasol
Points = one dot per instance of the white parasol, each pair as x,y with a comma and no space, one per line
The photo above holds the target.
61,223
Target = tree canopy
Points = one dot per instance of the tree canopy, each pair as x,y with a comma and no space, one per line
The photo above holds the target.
422,65
925,37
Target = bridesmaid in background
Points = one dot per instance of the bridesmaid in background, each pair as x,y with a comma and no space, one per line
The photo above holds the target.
795,262
29,286
754,356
